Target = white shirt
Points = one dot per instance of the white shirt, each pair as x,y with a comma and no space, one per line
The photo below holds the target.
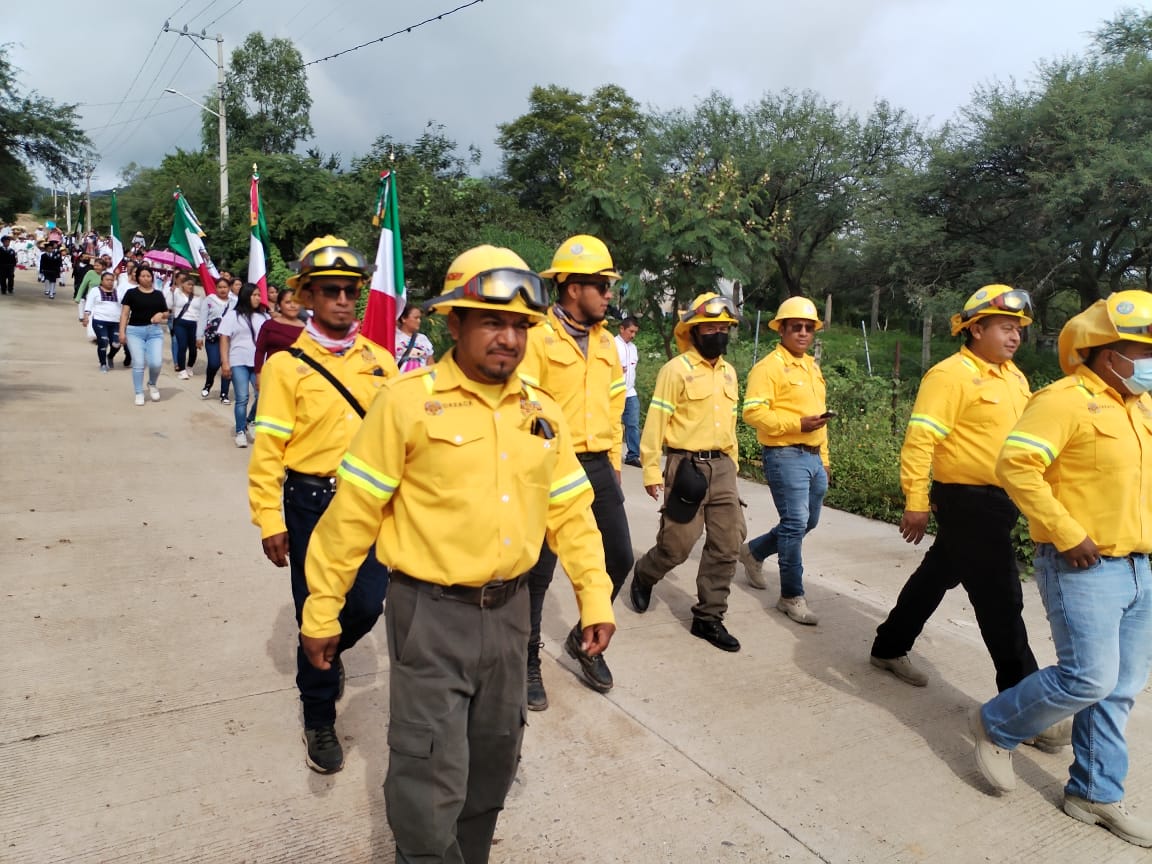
241,340
420,355
176,300
104,310
629,358
212,307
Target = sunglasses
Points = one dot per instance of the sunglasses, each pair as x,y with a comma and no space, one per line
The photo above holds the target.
502,286
602,287
334,292
800,327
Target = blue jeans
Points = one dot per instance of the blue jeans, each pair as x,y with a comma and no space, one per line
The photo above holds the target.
146,342
184,357
212,349
1101,620
107,335
631,419
243,384
798,482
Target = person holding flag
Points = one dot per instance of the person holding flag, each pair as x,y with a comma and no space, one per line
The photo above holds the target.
187,240
312,399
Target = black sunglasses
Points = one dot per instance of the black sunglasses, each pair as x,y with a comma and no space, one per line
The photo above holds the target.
333,292
602,287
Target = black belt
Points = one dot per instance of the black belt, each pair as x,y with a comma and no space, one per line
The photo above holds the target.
491,596
592,457
313,480
807,448
699,454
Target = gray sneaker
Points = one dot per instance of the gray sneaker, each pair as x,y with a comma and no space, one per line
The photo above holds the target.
753,568
902,668
995,763
1115,817
797,609
324,753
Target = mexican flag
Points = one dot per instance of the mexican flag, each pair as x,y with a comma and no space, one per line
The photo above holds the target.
386,297
186,240
117,242
258,240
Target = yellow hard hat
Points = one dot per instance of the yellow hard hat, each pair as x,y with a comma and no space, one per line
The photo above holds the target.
328,256
583,254
485,277
1124,316
707,308
796,307
994,300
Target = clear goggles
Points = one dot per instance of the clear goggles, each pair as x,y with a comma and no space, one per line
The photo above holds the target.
713,308
1016,302
342,258
501,287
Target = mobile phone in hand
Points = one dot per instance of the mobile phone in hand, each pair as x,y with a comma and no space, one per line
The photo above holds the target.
827,414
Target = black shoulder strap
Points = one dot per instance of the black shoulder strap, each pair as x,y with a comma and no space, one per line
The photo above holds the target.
299,354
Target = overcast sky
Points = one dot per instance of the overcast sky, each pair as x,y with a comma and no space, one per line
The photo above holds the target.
474,69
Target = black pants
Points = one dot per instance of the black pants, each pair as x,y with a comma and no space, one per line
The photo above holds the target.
185,333
305,500
611,519
7,279
973,548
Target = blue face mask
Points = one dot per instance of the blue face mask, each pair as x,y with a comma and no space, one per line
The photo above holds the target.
1140,381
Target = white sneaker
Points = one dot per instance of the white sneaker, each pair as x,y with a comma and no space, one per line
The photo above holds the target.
241,439
183,375
753,569
139,398
204,393
154,392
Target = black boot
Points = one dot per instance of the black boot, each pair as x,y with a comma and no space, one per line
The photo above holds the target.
537,695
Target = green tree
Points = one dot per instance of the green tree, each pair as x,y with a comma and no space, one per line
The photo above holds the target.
34,131
561,135
266,96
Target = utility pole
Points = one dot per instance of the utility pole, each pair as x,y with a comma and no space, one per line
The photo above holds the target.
88,199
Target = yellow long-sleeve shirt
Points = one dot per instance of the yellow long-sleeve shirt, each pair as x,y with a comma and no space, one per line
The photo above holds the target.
454,484
693,407
304,424
1078,464
781,389
590,390
964,410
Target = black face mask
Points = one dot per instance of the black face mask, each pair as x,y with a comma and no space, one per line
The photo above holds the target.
711,345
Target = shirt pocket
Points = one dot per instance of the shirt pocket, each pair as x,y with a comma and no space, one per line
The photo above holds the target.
987,410
462,458
698,387
1114,451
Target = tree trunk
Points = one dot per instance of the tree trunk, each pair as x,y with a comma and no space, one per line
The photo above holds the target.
926,344
827,311
876,309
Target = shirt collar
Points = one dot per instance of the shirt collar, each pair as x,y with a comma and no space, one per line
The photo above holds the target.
790,359
449,376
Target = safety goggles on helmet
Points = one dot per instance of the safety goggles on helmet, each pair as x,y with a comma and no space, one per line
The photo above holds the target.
501,287
1015,302
713,308
339,258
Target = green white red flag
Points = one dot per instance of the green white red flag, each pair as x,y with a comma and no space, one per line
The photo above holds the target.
258,240
387,295
117,242
187,240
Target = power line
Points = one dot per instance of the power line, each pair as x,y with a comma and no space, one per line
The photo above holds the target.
408,29
177,12
211,3
147,57
138,119
222,14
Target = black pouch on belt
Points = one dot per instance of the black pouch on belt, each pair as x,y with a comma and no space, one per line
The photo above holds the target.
688,489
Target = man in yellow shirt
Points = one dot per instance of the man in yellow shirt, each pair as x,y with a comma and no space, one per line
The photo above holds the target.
303,427
965,408
692,417
784,403
1079,466
457,476
573,357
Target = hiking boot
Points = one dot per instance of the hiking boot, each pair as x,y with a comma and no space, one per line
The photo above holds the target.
716,633
1054,738
797,609
994,762
1115,817
596,672
537,695
324,753
902,668
753,567
641,594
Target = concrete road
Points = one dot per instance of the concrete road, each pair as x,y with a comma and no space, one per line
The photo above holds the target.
149,711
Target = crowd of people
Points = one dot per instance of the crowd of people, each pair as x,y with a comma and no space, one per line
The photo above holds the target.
376,475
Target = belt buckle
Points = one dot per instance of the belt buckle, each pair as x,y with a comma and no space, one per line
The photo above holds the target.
704,455
489,592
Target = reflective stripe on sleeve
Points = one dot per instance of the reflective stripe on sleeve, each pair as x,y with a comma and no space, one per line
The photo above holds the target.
568,487
359,474
931,424
752,403
666,407
1033,443
272,426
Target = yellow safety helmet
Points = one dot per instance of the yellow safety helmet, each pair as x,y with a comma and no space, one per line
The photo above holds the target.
488,276
796,307
994,300
707,308
1125,315
582,254
328,256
